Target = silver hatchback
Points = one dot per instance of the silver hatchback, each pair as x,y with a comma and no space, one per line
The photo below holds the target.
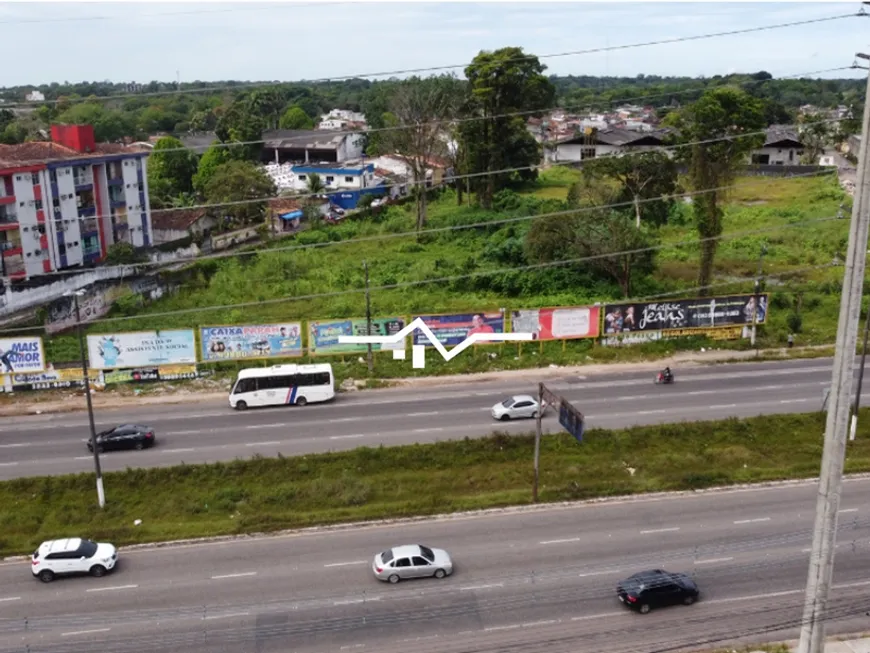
411,561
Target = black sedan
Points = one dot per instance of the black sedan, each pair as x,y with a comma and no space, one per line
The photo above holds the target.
655,589
126,436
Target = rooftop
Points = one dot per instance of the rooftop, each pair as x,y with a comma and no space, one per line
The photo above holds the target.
39,152
779,133
311,139
176,219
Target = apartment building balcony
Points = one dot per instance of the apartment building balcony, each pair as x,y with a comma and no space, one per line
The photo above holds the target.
82,180
8,218
13,262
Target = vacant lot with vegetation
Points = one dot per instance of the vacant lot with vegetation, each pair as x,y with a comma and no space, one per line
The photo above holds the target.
271,494
785,215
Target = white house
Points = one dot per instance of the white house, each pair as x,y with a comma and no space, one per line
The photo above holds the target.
177,224
340,119
335,176
781,147
35,96
606,142
311,146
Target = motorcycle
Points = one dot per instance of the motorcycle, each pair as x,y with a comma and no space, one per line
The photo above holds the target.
661,378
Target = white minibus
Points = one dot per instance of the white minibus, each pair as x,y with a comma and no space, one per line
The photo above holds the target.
282,385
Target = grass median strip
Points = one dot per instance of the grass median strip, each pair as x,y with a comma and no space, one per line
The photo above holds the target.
268,494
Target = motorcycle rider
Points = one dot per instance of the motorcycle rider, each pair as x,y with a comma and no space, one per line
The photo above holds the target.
667,376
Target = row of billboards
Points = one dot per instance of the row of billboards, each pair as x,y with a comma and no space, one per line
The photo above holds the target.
615,323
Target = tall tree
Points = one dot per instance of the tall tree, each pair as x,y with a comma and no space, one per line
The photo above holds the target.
506,81
815,134
642,178
239,125
715,133
242,182
420,112
209,162
315,184
266,103
604,235
171,168
295,118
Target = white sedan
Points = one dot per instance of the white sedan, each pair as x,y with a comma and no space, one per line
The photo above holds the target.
516,407
411,561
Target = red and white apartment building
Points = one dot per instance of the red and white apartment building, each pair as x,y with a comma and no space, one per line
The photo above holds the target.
63,203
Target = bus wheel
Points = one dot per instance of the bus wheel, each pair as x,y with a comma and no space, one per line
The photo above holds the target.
301,401
241,405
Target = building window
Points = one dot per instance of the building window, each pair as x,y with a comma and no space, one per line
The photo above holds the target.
348,180
61,249
34,176
52,176
38,204
329,179
301,177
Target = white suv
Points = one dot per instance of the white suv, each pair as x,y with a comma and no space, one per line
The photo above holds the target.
72,556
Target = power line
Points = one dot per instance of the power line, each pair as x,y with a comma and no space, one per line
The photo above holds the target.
458,277
406,234
412,183
570,53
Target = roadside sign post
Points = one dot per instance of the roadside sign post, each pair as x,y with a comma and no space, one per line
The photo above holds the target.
569,417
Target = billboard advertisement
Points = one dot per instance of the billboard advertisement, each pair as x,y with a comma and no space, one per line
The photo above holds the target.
557,323
705,313
141,349
323,335
95,303
451,330
22,355
232,343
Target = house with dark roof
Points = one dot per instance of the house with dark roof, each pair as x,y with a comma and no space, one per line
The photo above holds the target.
177,224
594,143
782,146
64,202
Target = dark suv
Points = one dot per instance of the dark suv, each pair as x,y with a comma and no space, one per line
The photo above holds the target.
656,588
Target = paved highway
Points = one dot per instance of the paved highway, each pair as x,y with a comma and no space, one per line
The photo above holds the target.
208,432
530,580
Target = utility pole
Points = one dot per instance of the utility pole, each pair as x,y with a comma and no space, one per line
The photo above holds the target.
369,357
821,567
101,495
538,432
757,294
854,427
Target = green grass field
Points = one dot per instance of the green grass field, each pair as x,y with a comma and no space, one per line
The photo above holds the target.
277,493
780,205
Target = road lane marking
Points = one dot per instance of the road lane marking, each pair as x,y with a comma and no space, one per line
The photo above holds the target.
849,510
8,464
570,539
10,598
91,457
793,401
428,430
752,521
262,444
495,628
480,587
337,420
712,561
660,530
111,589
85,632
590,617
347,437
418,639
723,406
754,597
241,575
547,622
226,616
433,412
10,446
184,432
355,601
348,647
599,573
265,426
345,564
177,450
652,412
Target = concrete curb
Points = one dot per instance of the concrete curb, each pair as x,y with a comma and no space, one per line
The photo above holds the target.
684,359
472,514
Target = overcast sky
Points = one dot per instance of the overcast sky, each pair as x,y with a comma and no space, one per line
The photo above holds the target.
47,42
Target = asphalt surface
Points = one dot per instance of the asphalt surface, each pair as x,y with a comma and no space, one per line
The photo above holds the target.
211,431
540,580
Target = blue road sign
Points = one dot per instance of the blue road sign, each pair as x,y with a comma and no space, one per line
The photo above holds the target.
571,420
